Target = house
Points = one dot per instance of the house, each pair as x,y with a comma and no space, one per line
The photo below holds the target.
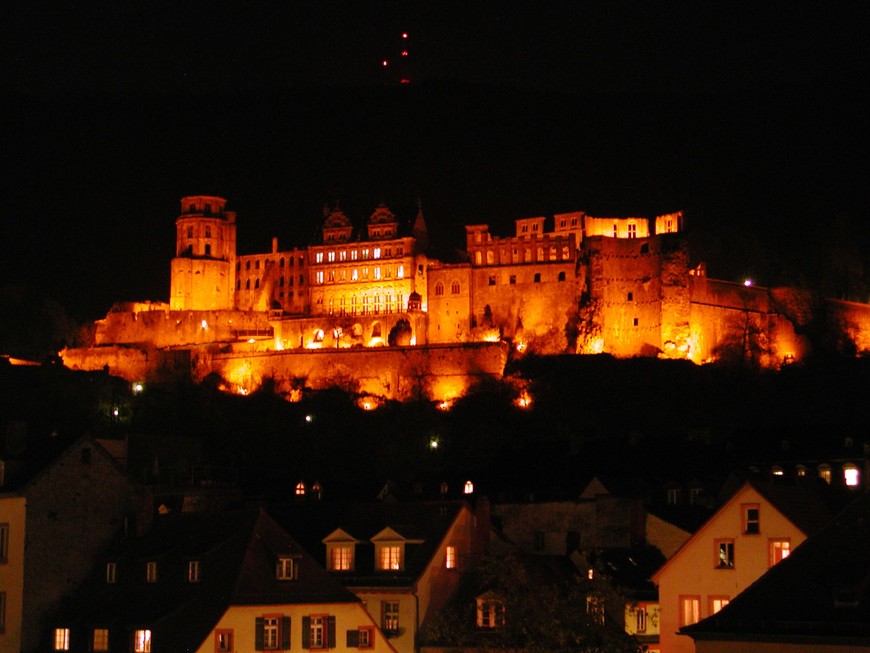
59,509
760,525
816,600
213,582
404,560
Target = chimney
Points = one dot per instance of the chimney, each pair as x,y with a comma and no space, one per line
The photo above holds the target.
274,244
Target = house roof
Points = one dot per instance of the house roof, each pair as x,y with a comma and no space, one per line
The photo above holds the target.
422,524
821,591
803,506
237,552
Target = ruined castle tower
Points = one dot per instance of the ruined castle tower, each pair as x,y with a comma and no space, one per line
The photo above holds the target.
205,246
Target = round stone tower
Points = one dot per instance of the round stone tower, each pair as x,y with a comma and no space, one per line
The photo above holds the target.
205,250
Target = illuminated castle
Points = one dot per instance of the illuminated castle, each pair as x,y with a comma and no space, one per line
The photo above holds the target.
314,315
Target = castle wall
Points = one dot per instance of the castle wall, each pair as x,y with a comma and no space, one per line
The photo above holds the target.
131,363
625,279
449,303
435,372
200,284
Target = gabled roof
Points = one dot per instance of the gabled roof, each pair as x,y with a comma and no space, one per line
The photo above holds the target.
237,552
423,525
801,505
820,592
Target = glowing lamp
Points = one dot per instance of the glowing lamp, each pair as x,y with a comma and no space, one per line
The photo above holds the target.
404,35
433,442
385,63
138,387
204,324
469,487
309,418
747,282
251,341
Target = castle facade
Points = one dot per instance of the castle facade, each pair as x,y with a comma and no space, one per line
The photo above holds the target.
576,284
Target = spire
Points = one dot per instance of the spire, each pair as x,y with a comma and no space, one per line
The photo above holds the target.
420,232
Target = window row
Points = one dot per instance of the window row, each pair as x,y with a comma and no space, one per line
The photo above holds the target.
359,274
523,255
290,262
363,305
388,557
272,632
285,570
724,552
363,254
280,282
512,279
690,607
98,640
455,288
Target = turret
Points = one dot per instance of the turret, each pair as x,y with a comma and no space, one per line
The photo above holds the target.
205,248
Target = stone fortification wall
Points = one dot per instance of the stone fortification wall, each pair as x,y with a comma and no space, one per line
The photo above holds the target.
343,331
162,328
131,363
730,320
676,298
450,311
436,372
530,302
625,279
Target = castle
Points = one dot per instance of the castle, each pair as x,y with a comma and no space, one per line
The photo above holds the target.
373,311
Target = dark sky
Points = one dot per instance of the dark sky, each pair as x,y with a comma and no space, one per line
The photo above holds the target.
752,120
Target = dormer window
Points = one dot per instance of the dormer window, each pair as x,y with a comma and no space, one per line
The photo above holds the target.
193,571
490,612
341,557
285,569
390,557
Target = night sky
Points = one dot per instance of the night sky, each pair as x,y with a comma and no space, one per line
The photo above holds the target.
751,120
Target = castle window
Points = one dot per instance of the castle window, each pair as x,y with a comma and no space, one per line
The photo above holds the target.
247,284
399,251
439,289
400,272
190,232
281,282
669,225
208,231
528,254
342,255
478,258
630,296
207,249
354,254
318,257
490,257
207,209
635,322
515,255
388,272
566,254
537,277
331,276
256,283
632,230
191,208
377,273
301,279
552,252
525,228
330,256
365,273
534,227
388,251
540,253
454,288
492,280
377,252
247,265
365,252
354,274
257,264
281,262
512,280
562,224
290,281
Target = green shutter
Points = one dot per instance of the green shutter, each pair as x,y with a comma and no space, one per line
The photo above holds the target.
306,632
330,632
285,633
259,628
353,639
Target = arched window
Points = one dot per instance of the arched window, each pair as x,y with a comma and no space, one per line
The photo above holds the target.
562,276
238,284
439,288
454,288
247,284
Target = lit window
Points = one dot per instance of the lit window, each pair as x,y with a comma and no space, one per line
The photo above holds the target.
101,639
717,603
450,557
354,254
400,272
490,613
342,256
390,558
674,496
725,554
779,550
377,252
318,257
111,572
316,632
751,521
825,473
142,641
801,470
690,610
851,476
469,487
377,273
223,641
61,639
318,276
341,557
776,470
151,572
354,274
193,571
390,616
330,256
365,253
284,569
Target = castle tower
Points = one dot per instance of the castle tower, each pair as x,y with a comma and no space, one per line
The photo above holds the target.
205,248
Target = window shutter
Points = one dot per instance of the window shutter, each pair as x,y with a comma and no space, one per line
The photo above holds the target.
259,628
330,632
306,632
285,632
353,639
